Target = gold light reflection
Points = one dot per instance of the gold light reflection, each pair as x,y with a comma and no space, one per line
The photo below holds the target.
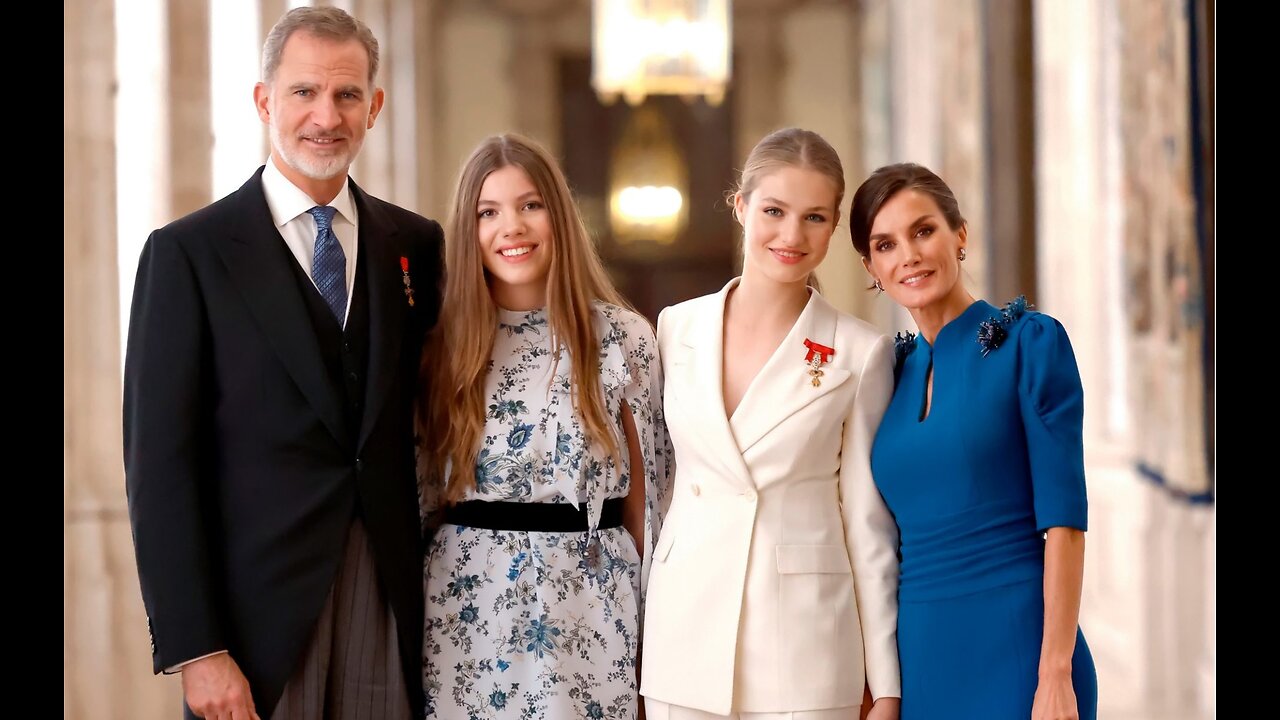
660,47
647,181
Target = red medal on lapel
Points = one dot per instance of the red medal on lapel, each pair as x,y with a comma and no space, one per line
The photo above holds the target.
408,286
817,349
815,357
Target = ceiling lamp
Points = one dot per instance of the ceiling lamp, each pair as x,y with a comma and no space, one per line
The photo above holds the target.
660,47
648,181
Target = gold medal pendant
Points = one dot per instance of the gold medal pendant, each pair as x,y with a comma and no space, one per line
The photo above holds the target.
815,374
814,358
408,285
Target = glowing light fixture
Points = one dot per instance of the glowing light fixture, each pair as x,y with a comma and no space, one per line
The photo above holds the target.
647,181
660,47
649,203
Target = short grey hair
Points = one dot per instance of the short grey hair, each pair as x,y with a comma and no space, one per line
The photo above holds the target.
330,23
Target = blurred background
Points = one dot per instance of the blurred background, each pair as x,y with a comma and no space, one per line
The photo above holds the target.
1077,134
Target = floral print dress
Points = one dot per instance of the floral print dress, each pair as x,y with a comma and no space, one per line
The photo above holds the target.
525,625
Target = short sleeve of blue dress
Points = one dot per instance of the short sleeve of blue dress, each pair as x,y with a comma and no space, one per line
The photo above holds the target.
1052,405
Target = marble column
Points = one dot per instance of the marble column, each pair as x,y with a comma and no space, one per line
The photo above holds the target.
106,654
1116,266
543,31
188,107
1010,141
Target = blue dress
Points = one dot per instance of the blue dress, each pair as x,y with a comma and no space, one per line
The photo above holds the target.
974,486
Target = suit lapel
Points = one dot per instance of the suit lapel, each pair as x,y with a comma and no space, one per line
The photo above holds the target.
702,385
387,306
256,257
784,386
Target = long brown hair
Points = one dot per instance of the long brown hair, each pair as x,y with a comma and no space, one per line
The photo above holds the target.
456,358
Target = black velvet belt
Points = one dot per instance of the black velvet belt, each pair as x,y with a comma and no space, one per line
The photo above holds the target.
531,517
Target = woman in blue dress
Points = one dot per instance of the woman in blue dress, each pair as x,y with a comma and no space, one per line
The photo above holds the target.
980,459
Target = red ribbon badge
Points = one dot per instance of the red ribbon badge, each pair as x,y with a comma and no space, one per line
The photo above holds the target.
408,287
822,351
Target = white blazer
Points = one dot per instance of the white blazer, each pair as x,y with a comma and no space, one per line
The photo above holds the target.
774,582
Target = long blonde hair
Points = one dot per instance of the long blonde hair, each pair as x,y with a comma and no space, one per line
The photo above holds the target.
456,358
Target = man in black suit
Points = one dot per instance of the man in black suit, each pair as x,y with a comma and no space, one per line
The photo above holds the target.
272,366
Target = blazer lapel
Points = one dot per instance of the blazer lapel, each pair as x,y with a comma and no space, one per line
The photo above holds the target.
387,306
784,386
701,385
255,255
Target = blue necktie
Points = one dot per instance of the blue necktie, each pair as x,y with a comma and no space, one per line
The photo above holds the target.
329,266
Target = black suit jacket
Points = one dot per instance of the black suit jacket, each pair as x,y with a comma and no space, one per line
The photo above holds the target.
242,474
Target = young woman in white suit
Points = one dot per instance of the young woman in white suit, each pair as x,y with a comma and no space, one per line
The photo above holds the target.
774,581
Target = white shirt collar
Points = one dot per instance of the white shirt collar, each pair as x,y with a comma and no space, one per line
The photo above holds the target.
287,201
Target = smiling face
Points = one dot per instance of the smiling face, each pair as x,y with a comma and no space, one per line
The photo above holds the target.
914,253
318,106
513,229
787,223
